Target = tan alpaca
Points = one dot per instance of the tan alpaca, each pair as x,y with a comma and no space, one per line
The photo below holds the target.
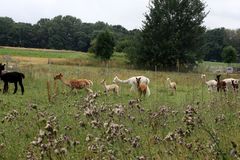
172,85
75,83
142,87
110,87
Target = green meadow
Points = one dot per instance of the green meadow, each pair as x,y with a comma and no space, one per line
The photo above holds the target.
190,124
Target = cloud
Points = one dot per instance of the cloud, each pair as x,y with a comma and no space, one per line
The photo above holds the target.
128,13
223,14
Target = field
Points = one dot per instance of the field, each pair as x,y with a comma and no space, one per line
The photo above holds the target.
61,57
191,124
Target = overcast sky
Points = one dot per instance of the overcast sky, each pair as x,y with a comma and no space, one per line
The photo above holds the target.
128,13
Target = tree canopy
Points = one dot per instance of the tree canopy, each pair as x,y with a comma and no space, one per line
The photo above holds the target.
171,33
229,54
104,45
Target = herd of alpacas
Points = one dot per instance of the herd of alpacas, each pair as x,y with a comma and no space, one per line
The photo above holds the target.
138,83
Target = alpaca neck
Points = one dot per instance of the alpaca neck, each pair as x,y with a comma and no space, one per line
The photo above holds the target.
65,81
138,85
105,85
169,82
121,81
204,79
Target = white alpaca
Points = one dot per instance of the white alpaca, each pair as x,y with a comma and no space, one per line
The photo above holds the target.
110,87
172,85
132,81
211,84
229,82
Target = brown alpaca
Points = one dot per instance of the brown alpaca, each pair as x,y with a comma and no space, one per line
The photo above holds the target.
75,83
142,87
221,85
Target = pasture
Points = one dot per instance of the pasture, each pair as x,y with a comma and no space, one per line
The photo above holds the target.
191,124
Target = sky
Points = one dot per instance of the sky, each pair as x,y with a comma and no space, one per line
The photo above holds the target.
128,13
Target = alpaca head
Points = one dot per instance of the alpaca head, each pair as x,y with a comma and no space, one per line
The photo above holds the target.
168,79
218,77
58,76
203,76
102,82
138,80
2,66
115,79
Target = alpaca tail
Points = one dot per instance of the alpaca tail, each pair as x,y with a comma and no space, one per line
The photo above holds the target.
148,93
22,75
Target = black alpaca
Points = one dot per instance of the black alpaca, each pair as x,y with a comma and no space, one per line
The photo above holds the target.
11,77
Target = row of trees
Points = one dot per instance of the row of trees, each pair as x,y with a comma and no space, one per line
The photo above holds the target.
216,39
61,32
172,36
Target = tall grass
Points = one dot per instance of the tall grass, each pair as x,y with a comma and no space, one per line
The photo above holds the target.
193,124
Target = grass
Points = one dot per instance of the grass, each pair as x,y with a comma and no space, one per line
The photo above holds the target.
43,56
192,124
11,51
145,129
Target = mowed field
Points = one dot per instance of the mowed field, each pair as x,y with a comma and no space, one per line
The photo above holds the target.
191,124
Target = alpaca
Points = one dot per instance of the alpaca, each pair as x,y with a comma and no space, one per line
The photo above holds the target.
142,87
172,85
132,81
110,87
11,77
75,83
221,85
211,84
235,85
229,82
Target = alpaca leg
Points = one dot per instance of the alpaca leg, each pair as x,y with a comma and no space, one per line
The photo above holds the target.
22,87
15,87
132,88
140,95
144,93
117,92
5,87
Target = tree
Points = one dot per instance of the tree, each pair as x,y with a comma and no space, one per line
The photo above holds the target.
104,45
6,27
171,33
229,54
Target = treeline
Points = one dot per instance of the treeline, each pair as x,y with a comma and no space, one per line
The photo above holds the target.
70,33
216,39
60,32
